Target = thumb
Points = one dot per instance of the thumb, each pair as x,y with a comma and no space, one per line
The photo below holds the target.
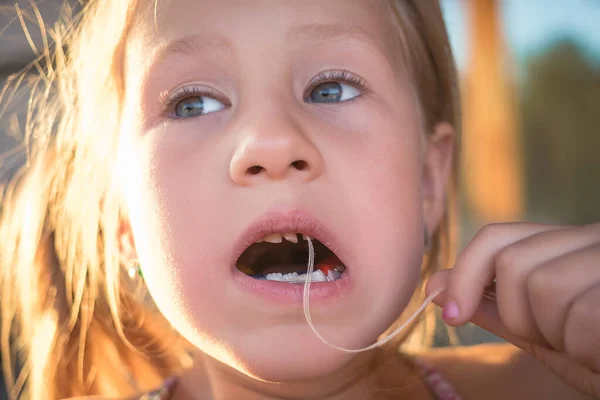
486,315
439,280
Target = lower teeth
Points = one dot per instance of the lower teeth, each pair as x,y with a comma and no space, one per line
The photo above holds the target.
294,277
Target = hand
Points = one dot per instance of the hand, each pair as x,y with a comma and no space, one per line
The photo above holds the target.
546,281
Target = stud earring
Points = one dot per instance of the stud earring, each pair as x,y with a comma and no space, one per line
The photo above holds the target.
135,269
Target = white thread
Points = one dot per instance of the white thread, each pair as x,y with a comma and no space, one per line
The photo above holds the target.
306,301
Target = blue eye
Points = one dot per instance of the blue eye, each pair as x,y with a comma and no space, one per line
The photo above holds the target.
195,106
192,101
335,86
190,107
333,92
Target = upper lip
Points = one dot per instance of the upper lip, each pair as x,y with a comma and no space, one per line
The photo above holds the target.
293,221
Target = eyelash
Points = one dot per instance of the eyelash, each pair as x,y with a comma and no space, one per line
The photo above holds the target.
340,75
169,100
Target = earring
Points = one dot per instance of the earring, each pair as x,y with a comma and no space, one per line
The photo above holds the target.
135,269
426,238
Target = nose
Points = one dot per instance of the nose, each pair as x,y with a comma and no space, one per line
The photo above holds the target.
274,149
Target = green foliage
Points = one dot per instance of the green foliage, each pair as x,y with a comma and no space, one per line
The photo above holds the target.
561,133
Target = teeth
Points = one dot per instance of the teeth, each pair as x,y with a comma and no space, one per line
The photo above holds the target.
294,277
334,275
273,238
278,238
291,237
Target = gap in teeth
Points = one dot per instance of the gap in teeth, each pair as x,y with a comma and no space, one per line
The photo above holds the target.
278,237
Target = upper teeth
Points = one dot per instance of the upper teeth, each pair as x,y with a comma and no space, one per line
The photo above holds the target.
278,238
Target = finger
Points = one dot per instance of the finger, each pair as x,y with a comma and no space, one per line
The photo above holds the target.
554,286
438,280
514,265
474,268
575,374
582,329
486,314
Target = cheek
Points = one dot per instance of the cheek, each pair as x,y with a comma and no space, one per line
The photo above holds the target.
174,222
383,190
378,155
382,171
387,175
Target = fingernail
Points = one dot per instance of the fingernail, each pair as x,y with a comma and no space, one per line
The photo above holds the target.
450,311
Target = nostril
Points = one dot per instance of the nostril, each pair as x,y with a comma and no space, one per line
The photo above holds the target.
255,170
300,165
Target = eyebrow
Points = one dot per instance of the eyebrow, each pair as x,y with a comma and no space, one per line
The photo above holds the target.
198,43
330,31
193,44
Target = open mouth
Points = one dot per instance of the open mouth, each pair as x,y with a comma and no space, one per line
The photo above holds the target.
283,257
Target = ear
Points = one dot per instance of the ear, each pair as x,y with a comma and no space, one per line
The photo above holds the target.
437,167
127,251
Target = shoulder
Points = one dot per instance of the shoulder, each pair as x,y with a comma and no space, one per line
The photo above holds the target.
148,396
161,393
155,395
497,371
99,397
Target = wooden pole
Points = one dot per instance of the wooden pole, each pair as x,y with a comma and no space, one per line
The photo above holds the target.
492,159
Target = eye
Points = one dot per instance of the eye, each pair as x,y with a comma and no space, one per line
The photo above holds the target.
189,102
196,106
333,92
335,87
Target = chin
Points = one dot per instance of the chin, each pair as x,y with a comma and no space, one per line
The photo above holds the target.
307,365
286,364
294,353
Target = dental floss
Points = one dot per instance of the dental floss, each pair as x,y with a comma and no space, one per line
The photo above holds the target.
305,300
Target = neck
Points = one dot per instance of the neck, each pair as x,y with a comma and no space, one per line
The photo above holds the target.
366,376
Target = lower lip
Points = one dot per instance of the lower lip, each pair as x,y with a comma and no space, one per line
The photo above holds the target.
292,293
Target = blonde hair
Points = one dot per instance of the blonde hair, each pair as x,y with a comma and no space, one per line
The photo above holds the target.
70,313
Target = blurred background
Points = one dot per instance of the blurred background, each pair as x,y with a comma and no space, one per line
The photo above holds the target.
530,74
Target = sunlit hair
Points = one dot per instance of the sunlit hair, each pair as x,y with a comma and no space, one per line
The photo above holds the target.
73,321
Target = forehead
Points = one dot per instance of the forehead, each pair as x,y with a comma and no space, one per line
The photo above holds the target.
163,27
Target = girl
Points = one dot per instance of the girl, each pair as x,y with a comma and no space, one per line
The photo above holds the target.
199,144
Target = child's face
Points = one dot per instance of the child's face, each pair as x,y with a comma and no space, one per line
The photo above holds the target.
246,139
